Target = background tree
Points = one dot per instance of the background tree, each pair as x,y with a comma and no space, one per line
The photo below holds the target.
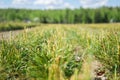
81,15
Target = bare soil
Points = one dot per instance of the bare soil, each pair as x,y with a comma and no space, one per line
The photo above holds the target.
9,34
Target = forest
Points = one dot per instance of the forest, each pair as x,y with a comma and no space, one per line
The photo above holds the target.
69,16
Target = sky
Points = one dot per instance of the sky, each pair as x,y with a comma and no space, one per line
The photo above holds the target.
57,4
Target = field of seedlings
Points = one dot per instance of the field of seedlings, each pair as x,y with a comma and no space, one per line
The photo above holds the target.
62,52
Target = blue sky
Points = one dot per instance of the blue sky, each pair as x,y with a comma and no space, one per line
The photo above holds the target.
57,4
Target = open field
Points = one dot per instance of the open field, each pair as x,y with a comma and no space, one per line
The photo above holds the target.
62,52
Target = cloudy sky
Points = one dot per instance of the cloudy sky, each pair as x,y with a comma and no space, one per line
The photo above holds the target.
57,4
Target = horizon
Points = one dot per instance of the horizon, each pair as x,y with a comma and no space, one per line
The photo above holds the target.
57,4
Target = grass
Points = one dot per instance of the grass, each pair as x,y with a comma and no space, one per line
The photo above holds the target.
8,26
59,52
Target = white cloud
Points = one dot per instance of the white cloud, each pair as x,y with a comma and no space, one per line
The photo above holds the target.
61,6
68,5
43,4
48,2
50,7
54,4
16,2
93,3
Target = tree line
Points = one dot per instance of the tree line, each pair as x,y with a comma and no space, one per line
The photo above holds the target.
81,15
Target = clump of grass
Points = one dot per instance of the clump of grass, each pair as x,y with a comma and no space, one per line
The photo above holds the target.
106,50
15,26
40,55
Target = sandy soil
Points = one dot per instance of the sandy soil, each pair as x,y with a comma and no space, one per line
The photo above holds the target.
9,34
